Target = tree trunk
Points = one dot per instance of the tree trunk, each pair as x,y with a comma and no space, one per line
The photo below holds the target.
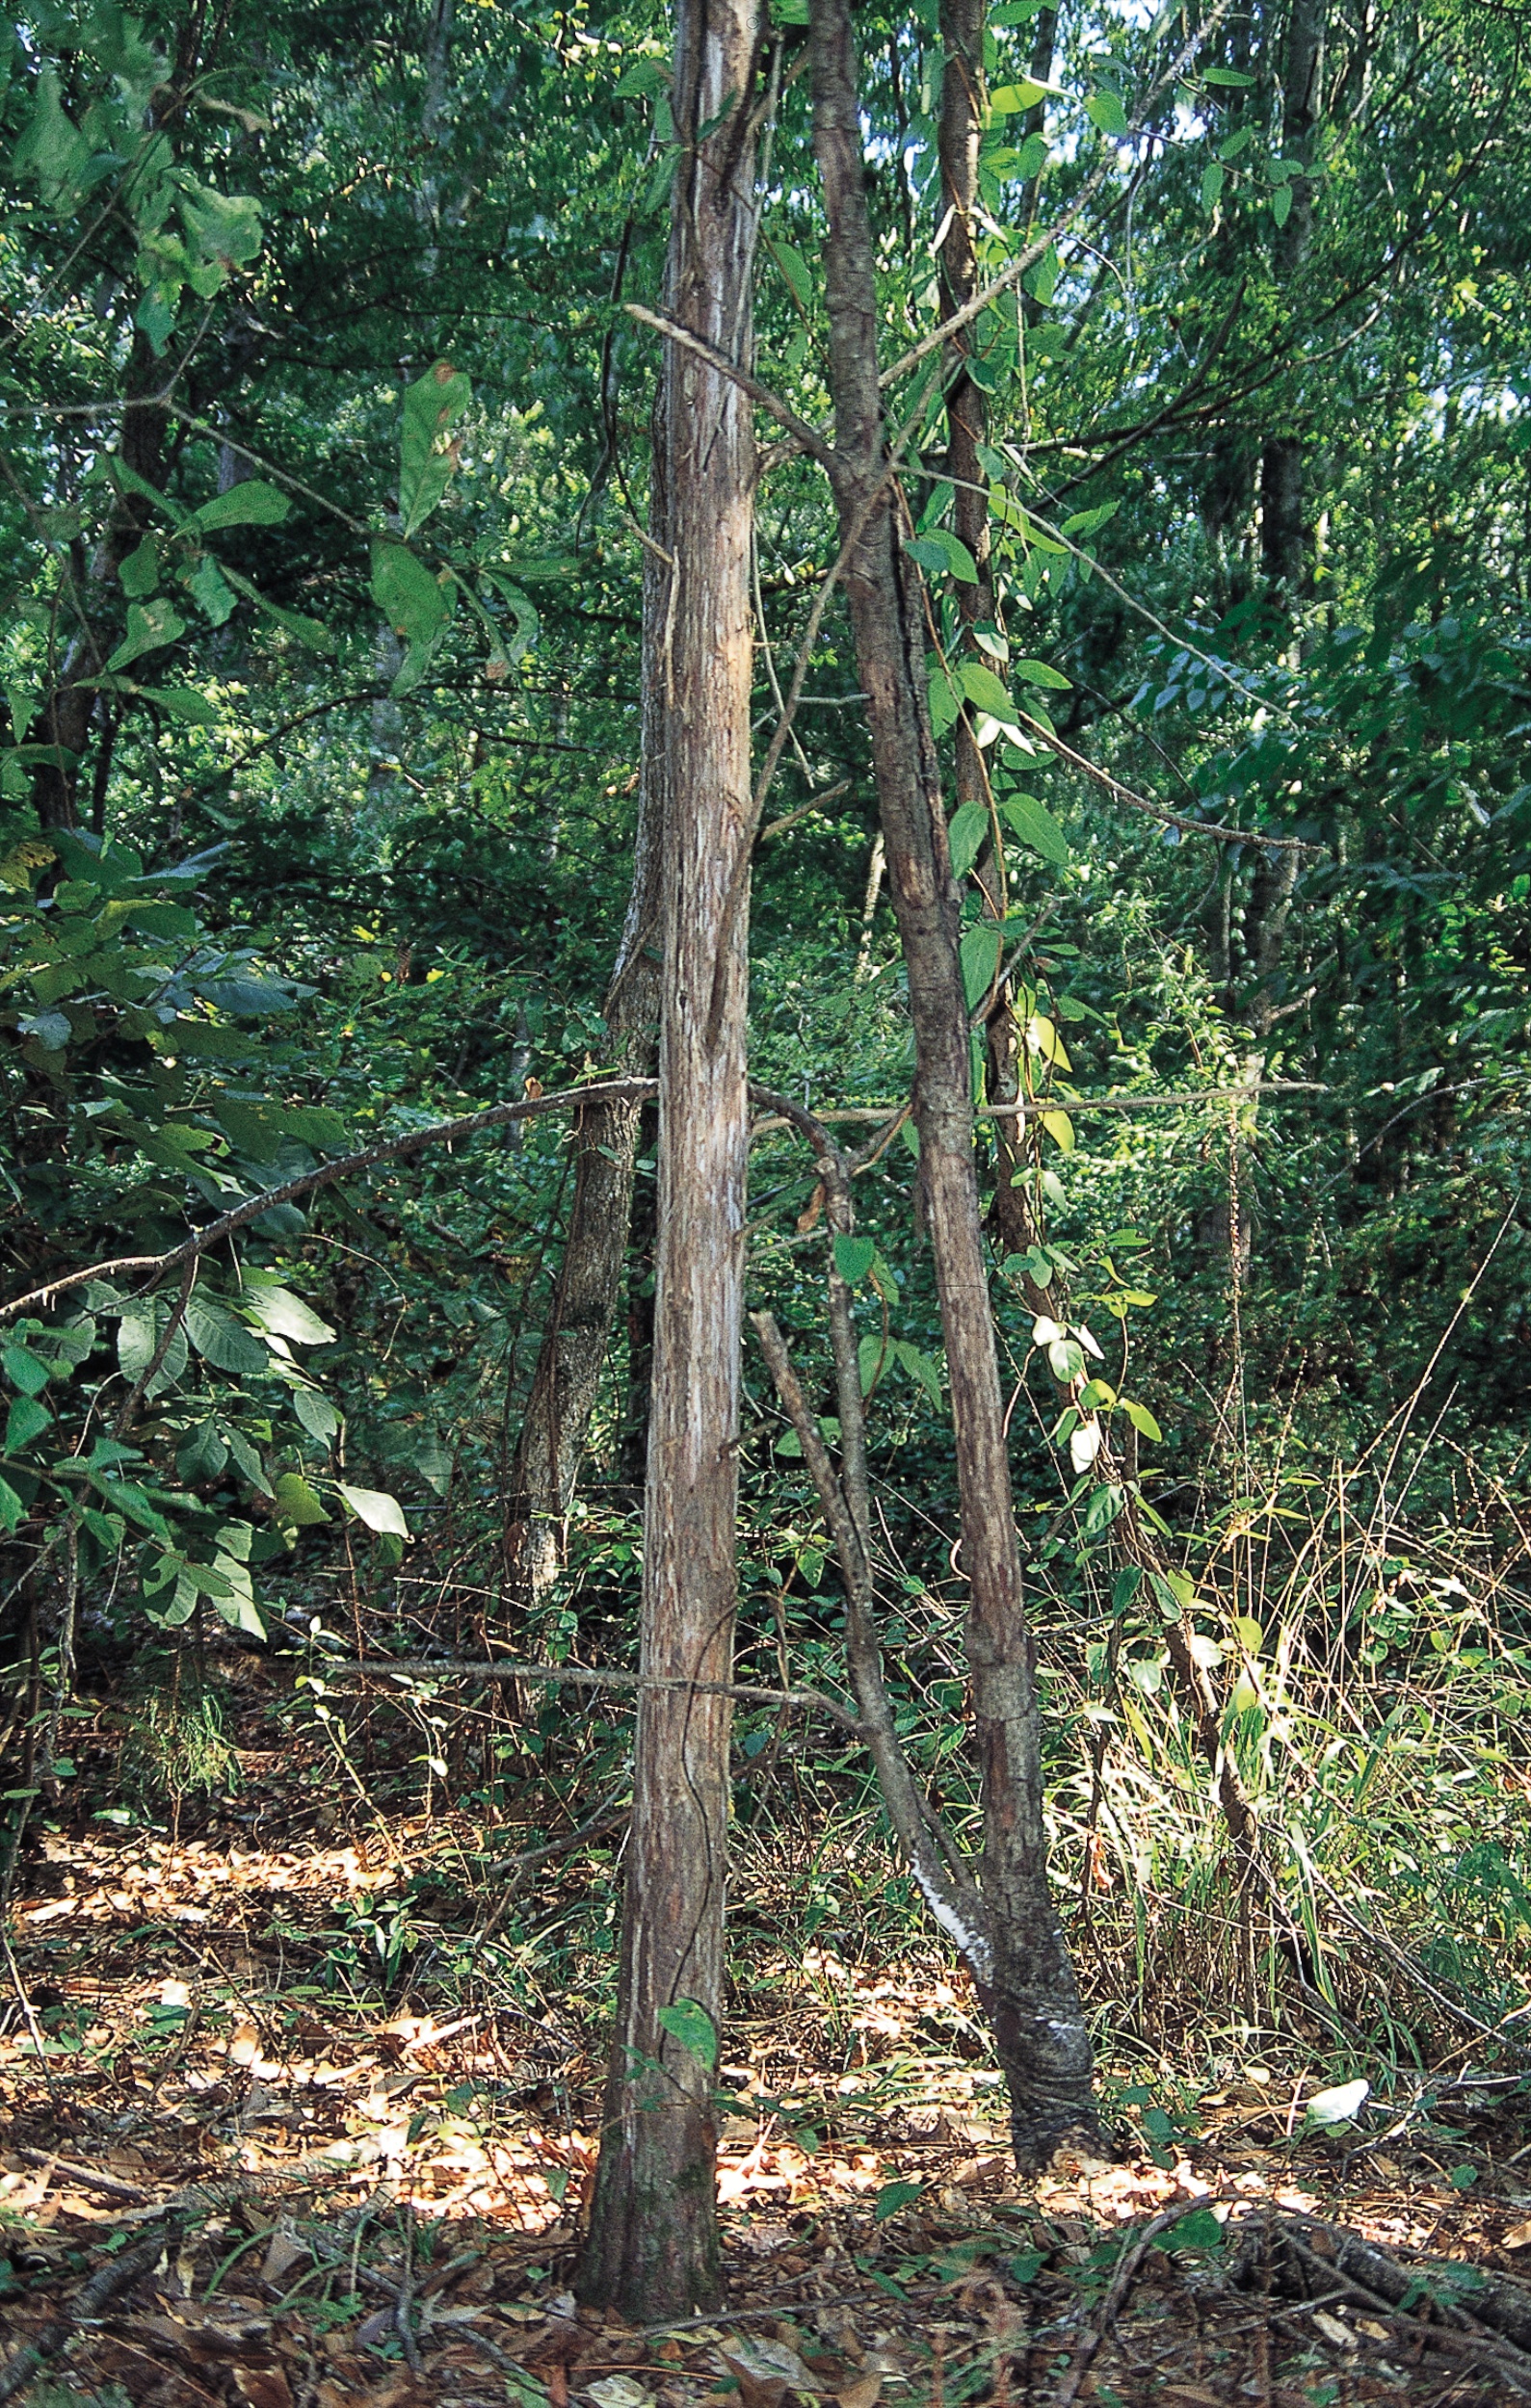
64,719
573,1352
1020,1963
653,2244
1283,548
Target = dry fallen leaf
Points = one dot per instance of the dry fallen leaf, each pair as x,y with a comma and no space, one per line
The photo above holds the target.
282,2254
1333,2330
1519,2237
861,2393
264,2387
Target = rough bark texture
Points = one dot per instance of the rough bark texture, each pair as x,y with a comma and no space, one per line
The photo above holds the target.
653,2244
573,1351
1019,1962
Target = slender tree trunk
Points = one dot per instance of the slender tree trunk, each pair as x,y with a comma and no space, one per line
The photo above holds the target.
573,1352
653,2243
93,605
1020,1963
1283,546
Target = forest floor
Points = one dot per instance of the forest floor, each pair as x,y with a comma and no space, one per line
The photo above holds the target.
227,2175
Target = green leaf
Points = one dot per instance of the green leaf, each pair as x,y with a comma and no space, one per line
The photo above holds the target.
1061,1129
1107,114
645,75
224,226
201,1455
211,589
965,836
376,1507
871,1358
924,1373
1282,203
686,2021
1213,178
854,1258
150,626
1089,522
431,405
140,573
1142,1421
296,623
286,1316
1226,75
53,149
248,1464
982,686
1199,2229
1011,99
223,1341
1038,673
979,954
26,1420
413,603
795,268
254,503
945,555
316,1413
12,1512
296,1503
24,1370
895,2195
182,702
1034,826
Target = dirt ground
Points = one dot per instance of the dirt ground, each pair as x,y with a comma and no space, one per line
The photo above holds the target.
227,2175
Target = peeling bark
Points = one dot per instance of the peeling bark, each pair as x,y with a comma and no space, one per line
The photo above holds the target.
653,2246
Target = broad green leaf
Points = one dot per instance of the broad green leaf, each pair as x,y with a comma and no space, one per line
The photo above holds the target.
12,1512
248,1464
981,686
24,1370
212,591
1038,673
150,625
254,503
137,1337
980,959
943,554
1034,826
52,148
433,1462
1282,203
1089,522
140,573
686,2021
431,406
944,702
223,1341
854,1258
286,1316
202,1454
895,2195
1107,114
1212,180
1061,1129
1011,99
26,1420
871,1358
296,1501
925,1373
316,1413
224,226
965,836
184,704
644,76
376,1507
1142,1421
1199,2229
1230,76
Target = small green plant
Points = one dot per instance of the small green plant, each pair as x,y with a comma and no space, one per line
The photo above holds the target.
176,1743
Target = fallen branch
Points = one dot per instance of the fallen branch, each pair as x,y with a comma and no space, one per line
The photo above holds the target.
583,1676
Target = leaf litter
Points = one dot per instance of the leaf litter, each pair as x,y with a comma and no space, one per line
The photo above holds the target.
221,2181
